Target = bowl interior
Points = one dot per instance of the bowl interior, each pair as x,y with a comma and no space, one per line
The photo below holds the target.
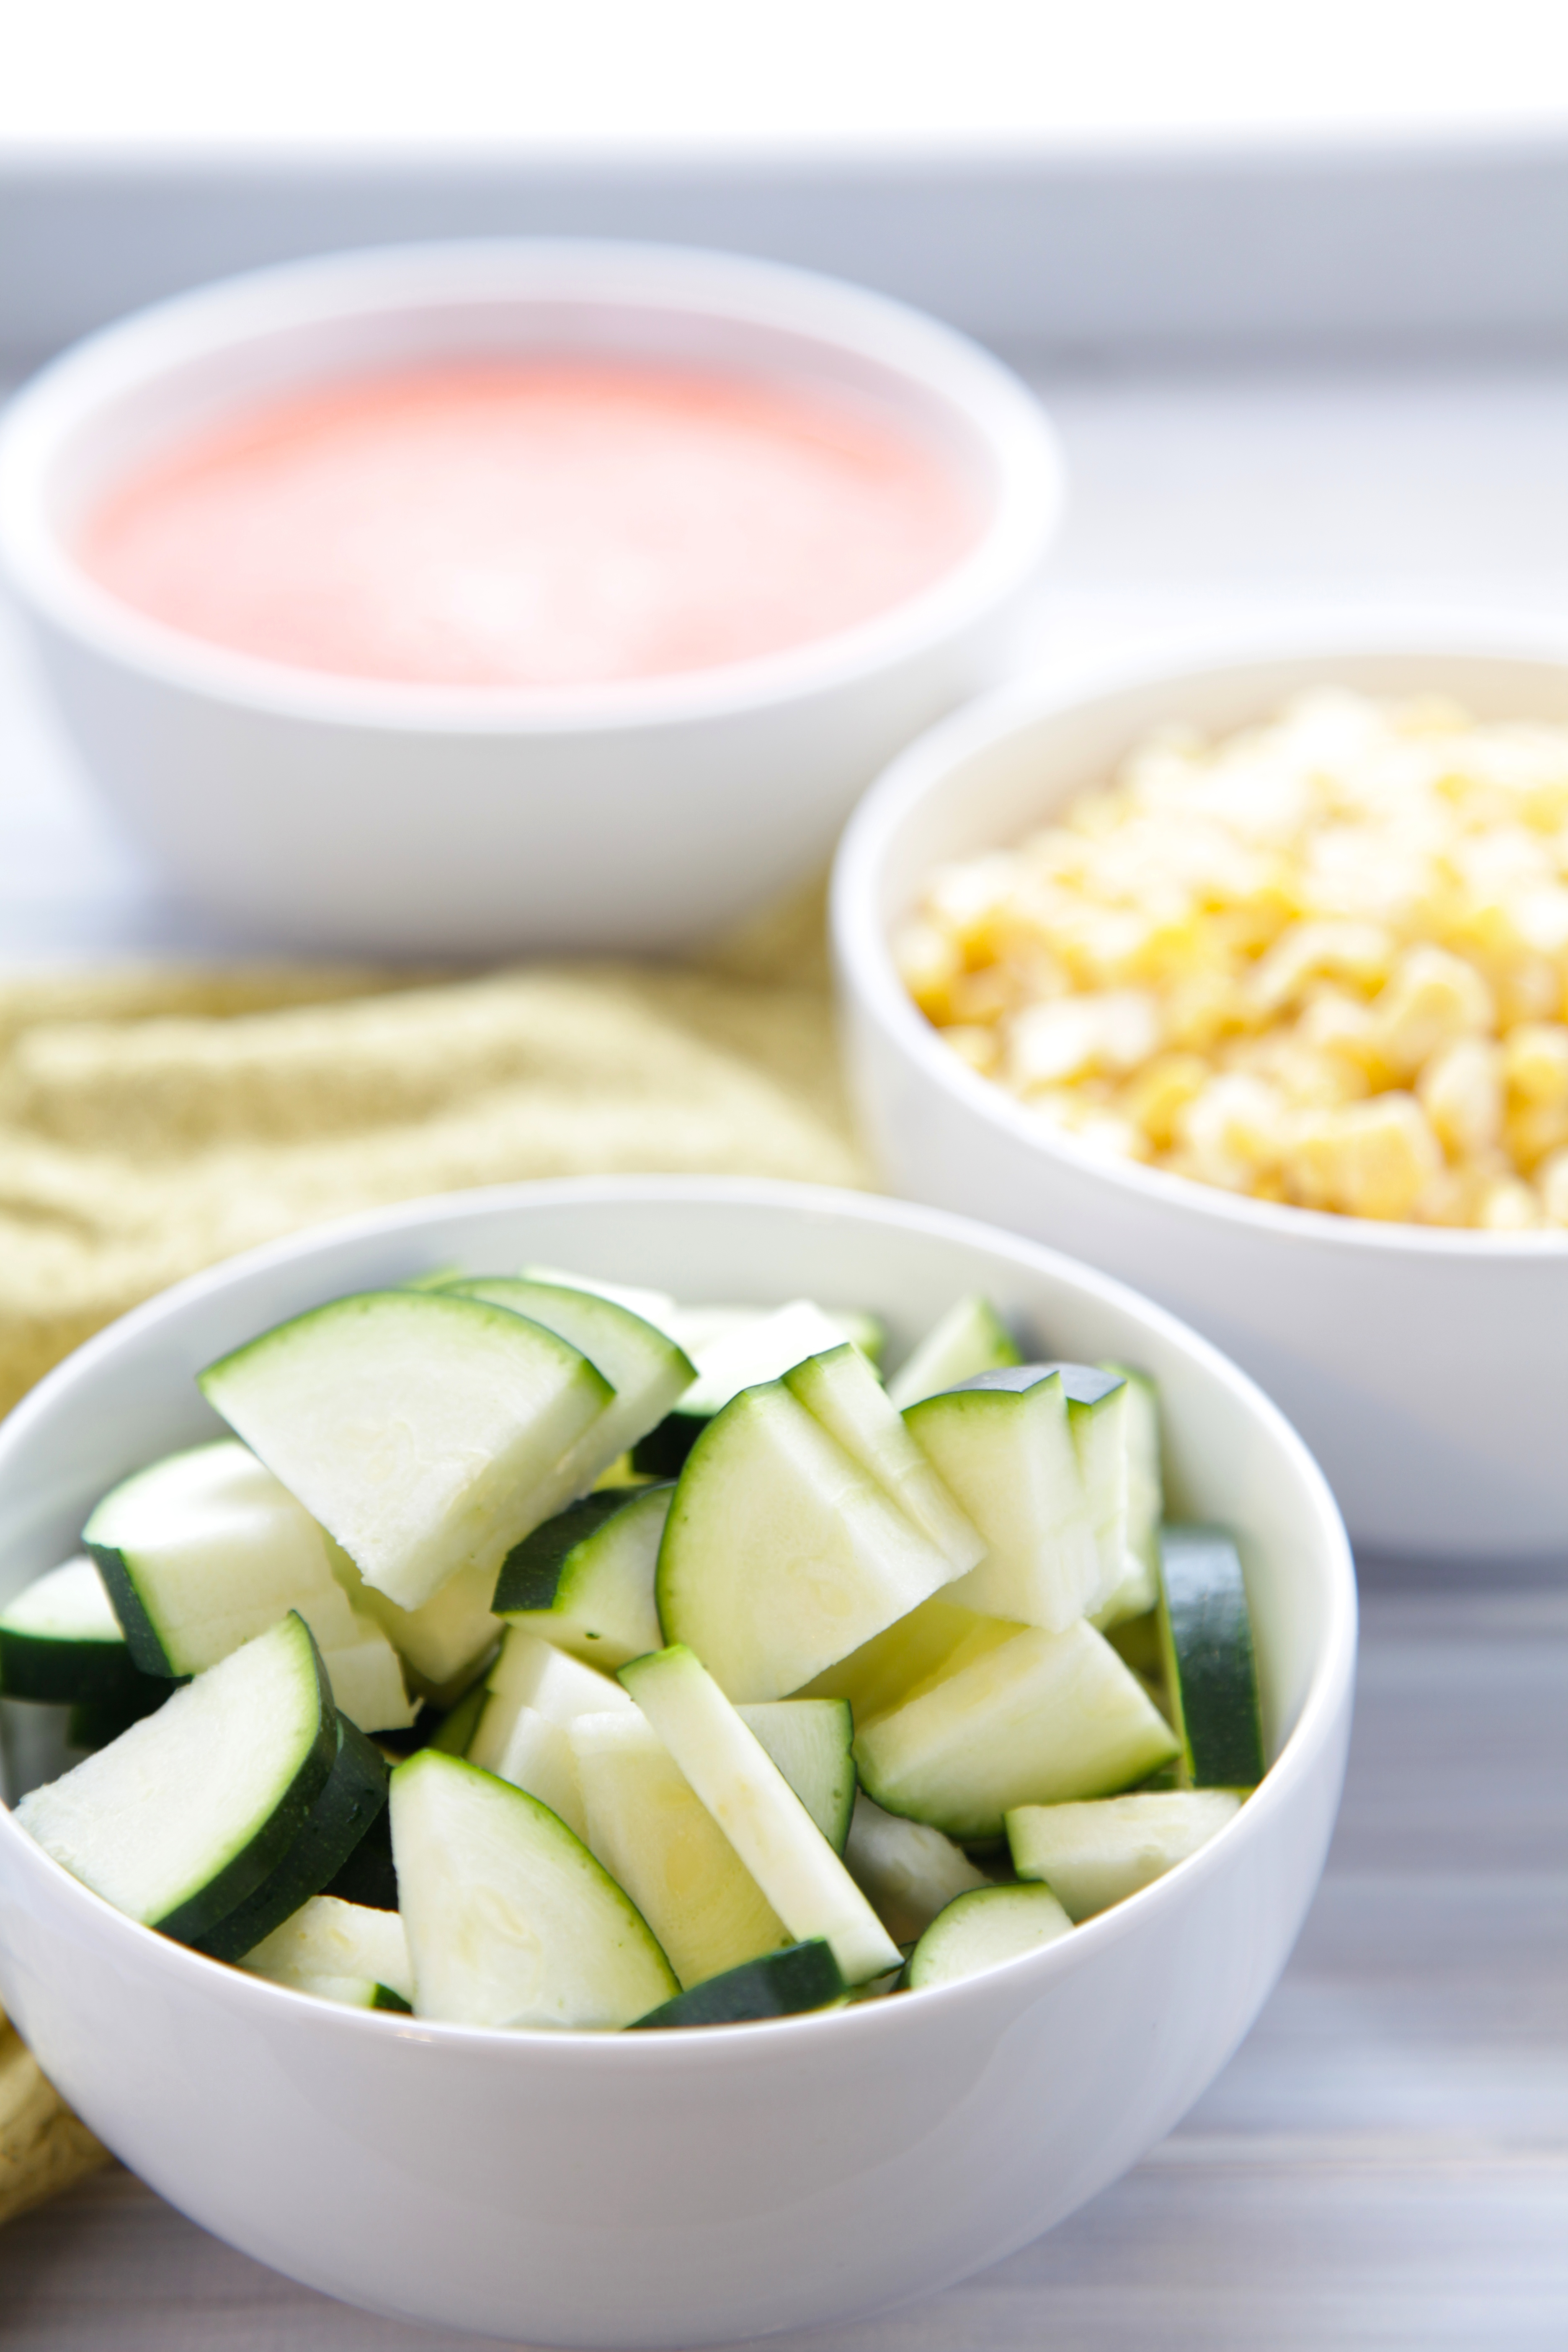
130,1395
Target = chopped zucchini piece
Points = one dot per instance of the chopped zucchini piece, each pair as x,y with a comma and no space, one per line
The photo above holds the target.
1035,1720
61,1644
785,1984
353,1797
844,1396
1205,1631
781,1555
585,1580
185,1814
510,1921
980,1930
327,1939
970,1339
417,1426
1092,1855
810,1740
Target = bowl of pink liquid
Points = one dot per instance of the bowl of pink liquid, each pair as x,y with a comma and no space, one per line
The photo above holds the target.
500,597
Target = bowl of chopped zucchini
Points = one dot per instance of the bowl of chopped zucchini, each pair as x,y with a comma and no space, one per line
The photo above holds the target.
1246,978
637,1763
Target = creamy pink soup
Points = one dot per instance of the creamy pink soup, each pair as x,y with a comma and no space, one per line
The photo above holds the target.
549,523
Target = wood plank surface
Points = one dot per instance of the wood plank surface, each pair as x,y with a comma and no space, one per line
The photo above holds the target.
1384,2163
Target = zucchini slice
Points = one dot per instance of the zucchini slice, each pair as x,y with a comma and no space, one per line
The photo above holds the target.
758,1812
785,1984
329,1939
971,1338
908,1871
844,1396
367,1680
1095,1854
1035,1720
203,1550
781,1554
585,1580
61,1643
1211,1673
659,1841
737,1348
187,1813
642,1363
417,1427
810,1740
1139,1587
980,1930
1011,1447
368,1876
353,1797
510,1921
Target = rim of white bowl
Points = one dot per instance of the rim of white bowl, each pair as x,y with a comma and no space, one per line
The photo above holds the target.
863,953
984,398
1329,1689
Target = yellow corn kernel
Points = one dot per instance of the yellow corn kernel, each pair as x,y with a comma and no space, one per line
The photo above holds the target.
1551,1183
1235,1131
1460,1090
1361,952
1371,1159
1208,1005
1333,1023
986,995
1432,998
1077,1036
1155,1098
928,961
1508,1206
981,1048
1527,988
1535,1062
1531,1130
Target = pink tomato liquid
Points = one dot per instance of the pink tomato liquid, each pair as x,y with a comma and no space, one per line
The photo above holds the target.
541,523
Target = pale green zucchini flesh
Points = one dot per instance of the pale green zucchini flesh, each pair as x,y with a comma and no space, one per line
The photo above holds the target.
1092,1855
585,1578
510,1921
184,1816
971,1338
417,1427
981,1930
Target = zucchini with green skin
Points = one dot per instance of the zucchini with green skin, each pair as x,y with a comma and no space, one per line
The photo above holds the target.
1092,1855
417,1427
784,1984
354,1794
658,1840
185,1815
758,1812
971,1338
980,1931
781,1554
585,1580
811,1740
205,1549
844,1396
737,1348
1211,1673
645,1367
883,1671
329,1939
61,1644
510,1921
1036,1457
1137,1588
1035,1719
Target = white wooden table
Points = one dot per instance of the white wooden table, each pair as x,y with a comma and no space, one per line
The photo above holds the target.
1385,2162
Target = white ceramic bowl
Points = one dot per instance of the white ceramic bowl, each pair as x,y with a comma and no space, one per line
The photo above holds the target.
682,2189
1425,1368
390,817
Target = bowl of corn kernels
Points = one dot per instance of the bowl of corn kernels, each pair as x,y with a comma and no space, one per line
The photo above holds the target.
1247,981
